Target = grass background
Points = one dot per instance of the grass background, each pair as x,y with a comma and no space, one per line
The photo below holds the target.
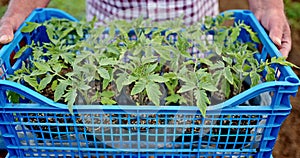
73,7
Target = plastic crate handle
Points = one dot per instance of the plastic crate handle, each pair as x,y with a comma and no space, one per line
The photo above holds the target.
28,93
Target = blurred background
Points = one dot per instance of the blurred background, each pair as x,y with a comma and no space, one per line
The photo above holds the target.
288,142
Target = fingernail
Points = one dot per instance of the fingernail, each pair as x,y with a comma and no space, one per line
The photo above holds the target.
277,41
3,38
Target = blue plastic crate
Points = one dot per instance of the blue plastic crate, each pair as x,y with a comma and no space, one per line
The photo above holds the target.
231,129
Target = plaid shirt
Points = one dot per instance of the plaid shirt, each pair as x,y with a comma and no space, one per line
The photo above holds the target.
157,10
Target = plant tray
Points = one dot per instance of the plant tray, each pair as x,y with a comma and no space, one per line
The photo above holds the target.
234,128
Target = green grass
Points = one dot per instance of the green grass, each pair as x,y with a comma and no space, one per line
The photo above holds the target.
74,7
2,10
292,10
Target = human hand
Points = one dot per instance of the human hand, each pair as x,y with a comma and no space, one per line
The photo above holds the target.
15,15
273,19
6,31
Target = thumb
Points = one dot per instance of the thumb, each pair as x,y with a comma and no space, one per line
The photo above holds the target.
6,33
276,33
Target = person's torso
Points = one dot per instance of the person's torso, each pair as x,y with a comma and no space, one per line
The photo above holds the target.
156,10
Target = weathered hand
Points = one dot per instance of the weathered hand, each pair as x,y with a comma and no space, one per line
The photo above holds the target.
15,15
271,15
6,31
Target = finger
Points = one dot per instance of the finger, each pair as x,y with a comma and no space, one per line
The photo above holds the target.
285,48
286,44
285,51
6,33
275,28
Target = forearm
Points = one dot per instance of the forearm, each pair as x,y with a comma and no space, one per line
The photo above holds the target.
257,6
18,10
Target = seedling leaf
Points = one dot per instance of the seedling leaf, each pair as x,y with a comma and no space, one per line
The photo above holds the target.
153,92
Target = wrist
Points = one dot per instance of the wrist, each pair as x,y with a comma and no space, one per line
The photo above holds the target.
266,4
260,7
14,20
15,15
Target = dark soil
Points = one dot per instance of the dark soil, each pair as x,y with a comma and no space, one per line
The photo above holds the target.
3,153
